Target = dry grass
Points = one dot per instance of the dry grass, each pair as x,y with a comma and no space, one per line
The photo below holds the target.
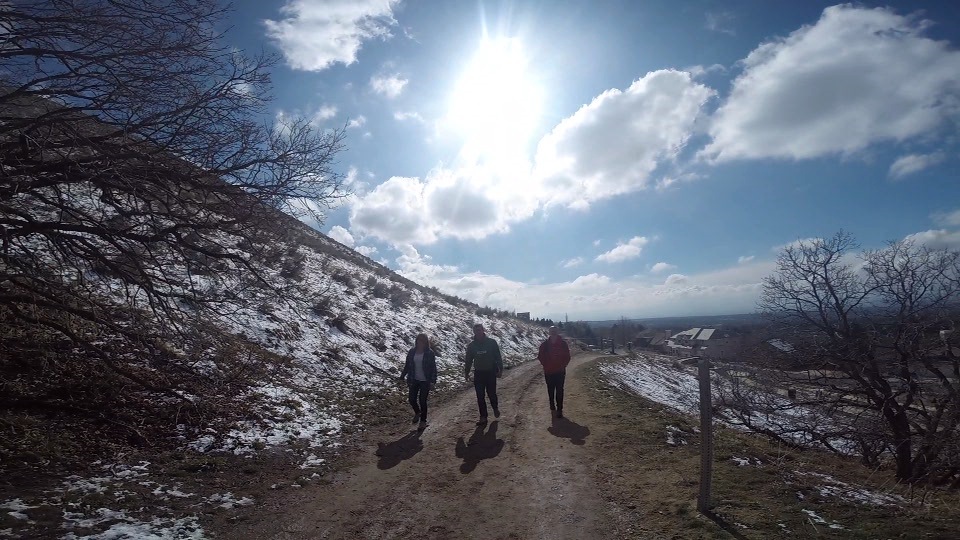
653,486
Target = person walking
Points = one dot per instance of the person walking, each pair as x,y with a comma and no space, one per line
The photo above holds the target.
483,354
420,372
554,355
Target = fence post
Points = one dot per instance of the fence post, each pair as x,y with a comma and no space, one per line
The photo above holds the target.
706,436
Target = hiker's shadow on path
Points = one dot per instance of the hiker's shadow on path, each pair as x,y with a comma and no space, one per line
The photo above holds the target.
391,454
480,446
568,429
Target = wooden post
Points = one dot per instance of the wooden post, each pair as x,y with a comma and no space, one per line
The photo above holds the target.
706,436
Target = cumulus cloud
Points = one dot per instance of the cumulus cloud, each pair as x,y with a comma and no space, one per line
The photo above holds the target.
394,211
368,251
936,239
662,267
675,279
315,35
467,202
357,122
341,235
856,77
744,259
913,163
570,263
325,112
614,144
390,86
623,252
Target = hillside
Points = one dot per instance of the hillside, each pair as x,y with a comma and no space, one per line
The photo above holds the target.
150,311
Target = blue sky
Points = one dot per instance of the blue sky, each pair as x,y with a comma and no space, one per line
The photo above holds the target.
594,160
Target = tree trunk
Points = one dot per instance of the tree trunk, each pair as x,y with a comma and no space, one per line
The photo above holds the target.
903,447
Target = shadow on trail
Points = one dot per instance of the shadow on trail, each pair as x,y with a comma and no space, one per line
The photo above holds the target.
391,454
568,429
725,526
480,446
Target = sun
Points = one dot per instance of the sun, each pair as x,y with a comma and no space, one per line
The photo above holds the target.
496,103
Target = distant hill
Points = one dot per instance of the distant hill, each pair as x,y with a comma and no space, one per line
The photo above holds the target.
680,323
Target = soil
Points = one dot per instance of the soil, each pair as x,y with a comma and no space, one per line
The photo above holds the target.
524,475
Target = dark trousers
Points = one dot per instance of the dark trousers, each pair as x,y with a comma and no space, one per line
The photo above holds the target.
485,382
555,388
418,398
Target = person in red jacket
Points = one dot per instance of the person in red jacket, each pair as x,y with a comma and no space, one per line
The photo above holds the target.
554,356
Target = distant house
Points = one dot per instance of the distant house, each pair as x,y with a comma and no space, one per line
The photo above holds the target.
688,339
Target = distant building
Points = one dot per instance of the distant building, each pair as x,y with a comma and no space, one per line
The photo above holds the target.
688,339
525,315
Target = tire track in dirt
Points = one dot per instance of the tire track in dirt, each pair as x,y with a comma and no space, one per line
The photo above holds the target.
524,475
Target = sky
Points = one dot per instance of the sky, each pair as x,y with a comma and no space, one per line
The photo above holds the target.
595,160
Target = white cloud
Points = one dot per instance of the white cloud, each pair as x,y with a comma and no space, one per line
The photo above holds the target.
662,267
468,202
615,143
856,77
315,35
675,279
325,112
570,263
744,259
341,235
936,239
596,296
390,86
402,116
394,211
947,219
368,251
912,163
357,122
596,242
623,252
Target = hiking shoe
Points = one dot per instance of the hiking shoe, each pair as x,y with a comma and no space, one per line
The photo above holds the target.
496,413
482,421
559,413
416,417
553,407
423,424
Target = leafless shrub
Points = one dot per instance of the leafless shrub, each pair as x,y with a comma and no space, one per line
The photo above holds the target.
877,341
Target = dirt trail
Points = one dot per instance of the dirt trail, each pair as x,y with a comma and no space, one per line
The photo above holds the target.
525,475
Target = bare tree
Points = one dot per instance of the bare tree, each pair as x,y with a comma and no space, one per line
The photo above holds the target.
869,330
141,182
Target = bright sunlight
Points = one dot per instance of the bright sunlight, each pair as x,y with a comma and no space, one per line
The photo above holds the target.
496,104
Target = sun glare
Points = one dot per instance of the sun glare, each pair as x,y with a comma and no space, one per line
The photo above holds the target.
496,104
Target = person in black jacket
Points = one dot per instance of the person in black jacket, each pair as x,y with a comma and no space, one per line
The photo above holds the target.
420,372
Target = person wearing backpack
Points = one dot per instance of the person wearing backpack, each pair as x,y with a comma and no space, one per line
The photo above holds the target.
554,355
420,372
483,354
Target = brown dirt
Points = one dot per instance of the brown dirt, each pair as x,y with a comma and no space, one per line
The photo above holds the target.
525,475
606,471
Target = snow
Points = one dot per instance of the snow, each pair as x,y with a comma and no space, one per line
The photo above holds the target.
655,378
817,519
330,374
664,380
833,488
